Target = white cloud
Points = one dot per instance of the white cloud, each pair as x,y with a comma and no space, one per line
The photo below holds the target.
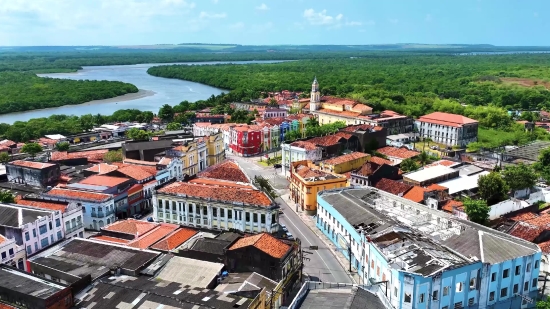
262,7
428,17
206,15
393,20
321,18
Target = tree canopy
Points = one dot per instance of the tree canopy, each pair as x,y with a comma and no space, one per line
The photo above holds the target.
6,197
409,165
492,188
4,157
32,149
63,146
173,126
138,135
519,176
113,156
477,210
166,112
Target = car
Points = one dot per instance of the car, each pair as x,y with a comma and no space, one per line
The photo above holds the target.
277,165
289,236
150,219
281,211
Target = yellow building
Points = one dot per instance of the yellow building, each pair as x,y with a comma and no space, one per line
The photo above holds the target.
189,155
214,145
306,181
344,163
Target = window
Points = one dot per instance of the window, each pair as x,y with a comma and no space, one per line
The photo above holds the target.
230,214
445,290
526,286
44,242
395,291
534,285
254,217
43,229
204,211
215,212
29,249
504,292
459,286
4,255
506,273
517,270
50,224
83,209
27,238
473,283
435,295
528,267
492,296
57,222
247,216
222,212
33,233
421,299
493,277
262,218
536,264
516,288
471,301
10,251
51,238
458,305
59,235
407,297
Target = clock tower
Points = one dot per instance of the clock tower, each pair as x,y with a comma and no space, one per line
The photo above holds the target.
315,99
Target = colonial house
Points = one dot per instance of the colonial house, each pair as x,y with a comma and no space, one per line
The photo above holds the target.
299,151
448,129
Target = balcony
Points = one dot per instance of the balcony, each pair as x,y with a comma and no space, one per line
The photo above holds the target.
78,226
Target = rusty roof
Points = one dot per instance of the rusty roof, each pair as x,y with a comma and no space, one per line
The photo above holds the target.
328,140
367,169
402,153
227,170
526,231
265,243
392,186
90,155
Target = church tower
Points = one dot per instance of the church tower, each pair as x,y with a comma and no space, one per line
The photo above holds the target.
315,99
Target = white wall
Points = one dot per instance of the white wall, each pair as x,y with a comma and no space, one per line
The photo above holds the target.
50,231
73,221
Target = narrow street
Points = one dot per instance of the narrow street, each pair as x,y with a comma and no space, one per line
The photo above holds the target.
322,264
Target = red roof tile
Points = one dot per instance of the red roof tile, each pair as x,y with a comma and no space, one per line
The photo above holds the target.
416,194
525,231
436,187
227,170
31,164
325,141
392,186
402,153
221,183
337,101
50,205
265,243
380,161
2,239
304,145
545,246
343,134
312,174
339,113
131,226
175,239
101,180
447,119
345,158
7,143
367,169
111,239
224,194
442,162
76,194
524,216
136,172
102,168
91,155
448,205
153,236
139,162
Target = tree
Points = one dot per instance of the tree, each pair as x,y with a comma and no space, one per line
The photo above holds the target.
173,126
166,112
543,164
138,135
273,103
544,304
520,176
4,157
32,149
423,158
371,146
147,116
492,188
113,156
6,197
409,165
477,210
63,146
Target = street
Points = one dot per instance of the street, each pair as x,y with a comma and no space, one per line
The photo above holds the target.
321,264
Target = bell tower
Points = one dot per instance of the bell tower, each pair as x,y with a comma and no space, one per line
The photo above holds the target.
315,99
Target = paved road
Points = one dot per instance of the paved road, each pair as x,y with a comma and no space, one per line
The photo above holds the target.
322,264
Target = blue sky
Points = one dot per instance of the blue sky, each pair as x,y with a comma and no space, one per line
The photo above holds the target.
133,22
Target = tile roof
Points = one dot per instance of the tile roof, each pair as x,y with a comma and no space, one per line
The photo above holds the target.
130,226
265,243
101,180
360,127
31,164
224,194
545,246
2,238
77,195
339,113
392,186
361,107
416,194
526,231
446,119
91,155
448,205
380,161
136,172
7,143
436,187
442,162
343,134
402,153
227,170
313,174
367,169
221,183
165,161
345,158
139,162
304,145
175,239
524,216
44,204
111,239
102,168
328,140
337,101
153,236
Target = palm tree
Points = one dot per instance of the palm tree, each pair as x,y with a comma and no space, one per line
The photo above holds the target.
423,158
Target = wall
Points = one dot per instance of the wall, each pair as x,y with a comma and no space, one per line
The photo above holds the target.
505,207
73,221
34,177
304,193
52,234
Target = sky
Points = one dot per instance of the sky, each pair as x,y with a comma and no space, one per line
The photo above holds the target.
274,22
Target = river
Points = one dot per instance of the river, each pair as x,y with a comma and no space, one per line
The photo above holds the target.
154,91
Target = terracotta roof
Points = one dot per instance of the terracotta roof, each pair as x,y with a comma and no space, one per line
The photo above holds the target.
361,107
337,101
91,155
446,119
7,143
312,174
151,182
524,216
436,187
392,186
102,168
135,172
165,161
526,231
448,205
31,164
102,180
304,145
402,153
328,140
6,306
223,194
265,243
380,161
343,134
130,226
76,194
367,169
345,158
45,204
139,162
175,239
360,127
153,236
221,183
545,246
227,170
2,239
416,194
135,188
111,239
442,162
339,113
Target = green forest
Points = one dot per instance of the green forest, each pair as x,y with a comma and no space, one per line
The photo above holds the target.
480,87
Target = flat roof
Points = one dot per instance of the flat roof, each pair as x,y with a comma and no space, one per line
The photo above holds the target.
190,272
27,283
15,216
530,151
462,183
429,173
338,298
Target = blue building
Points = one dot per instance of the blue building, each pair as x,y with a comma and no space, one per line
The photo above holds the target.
424,258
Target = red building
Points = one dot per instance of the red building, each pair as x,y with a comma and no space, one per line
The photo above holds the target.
246,140
135,198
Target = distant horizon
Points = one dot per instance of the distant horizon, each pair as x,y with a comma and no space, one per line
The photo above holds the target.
288,44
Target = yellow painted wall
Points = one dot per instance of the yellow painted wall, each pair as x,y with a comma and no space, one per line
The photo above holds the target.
211,143
307,191
345,166
324,119
334,107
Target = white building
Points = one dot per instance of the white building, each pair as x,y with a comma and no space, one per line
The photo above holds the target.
447,129
98,209
298,151
11,254
32,229
216,204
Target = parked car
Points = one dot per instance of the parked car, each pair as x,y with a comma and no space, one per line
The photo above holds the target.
283,227
289,236
150,219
